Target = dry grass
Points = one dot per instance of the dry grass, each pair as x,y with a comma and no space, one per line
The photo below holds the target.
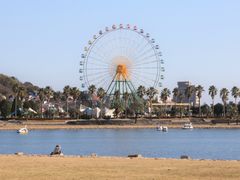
43,167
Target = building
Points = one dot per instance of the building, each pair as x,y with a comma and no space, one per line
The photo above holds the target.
182,86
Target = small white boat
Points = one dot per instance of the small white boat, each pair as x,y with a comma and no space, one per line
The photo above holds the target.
187,126
159,128
23,130
165,129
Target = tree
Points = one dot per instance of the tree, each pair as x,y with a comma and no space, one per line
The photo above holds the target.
205,109
21,95
15,89
199,90
212,91
126,98
75,93
175,94
48,91
101,94
5,108
218,109
92,90
224,95
151,92
141,91
164,95
235,93
188,93
180,98
66,92
117,105
41,96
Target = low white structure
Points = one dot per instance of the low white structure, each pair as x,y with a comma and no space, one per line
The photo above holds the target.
96,112
108,112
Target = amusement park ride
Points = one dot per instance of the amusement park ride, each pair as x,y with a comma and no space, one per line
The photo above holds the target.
120,59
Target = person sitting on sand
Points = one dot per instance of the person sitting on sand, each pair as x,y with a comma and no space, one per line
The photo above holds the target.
57,150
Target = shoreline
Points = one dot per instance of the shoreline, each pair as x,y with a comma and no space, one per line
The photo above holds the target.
94,155
54,126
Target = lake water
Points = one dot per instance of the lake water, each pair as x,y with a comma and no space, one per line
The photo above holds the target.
197,143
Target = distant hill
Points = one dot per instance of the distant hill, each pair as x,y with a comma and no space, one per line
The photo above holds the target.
7,82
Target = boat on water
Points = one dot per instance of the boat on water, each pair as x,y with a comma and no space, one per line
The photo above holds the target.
159,128
165,129
162,128
187,126
23,130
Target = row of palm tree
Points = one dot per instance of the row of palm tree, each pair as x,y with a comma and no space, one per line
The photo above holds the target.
198,91
73,93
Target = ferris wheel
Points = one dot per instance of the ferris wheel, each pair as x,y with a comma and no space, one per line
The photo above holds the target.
121,54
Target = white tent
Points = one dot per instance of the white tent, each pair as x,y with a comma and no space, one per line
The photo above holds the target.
96,112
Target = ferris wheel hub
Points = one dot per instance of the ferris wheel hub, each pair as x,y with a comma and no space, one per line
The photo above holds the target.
122,71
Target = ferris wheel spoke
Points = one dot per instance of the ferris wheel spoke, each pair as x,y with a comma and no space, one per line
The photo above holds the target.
97,68
104,83
154,67
99,60
98,81
149,79
146,73
144,53
96,74
97,64
140,43
140,50
146,62
144,59
139,79
99,55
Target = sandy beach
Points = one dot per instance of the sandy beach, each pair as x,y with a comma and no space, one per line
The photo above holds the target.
46,167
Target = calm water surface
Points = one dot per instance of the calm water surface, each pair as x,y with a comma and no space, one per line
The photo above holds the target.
198,143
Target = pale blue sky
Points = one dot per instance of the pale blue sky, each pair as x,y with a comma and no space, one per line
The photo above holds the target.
42,41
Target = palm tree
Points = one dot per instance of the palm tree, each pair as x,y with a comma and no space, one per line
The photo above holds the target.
141,91
75,93
164,95
212,91
199,90
101,94
15,89
66,92
235,93
41,96
188,93
224,95
151,92
175,94
92,90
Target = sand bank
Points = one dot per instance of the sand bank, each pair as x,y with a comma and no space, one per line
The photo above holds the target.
45,167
